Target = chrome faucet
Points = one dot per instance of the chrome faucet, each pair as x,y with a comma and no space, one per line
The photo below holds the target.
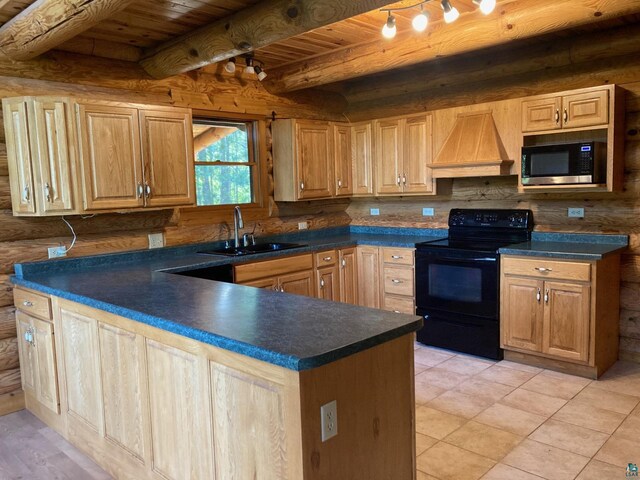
237,223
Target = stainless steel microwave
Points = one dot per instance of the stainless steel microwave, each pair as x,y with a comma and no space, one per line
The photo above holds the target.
564,164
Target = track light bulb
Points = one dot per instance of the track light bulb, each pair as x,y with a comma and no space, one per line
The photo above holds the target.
249,68
486,6
230,66
261,73
451,13
420,21
389,29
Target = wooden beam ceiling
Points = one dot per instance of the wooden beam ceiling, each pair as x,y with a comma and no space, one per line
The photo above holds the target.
254,27
510,21
46,24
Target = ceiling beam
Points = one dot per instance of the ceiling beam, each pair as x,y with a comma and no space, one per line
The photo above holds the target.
515,20
267,22
45,24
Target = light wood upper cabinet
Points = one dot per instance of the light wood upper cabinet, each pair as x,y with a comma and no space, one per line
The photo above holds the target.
403,151
110,157
167,157
362,158
347,261
581,109
342,159
40,155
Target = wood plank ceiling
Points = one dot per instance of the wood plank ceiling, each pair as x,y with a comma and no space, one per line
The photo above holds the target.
145,24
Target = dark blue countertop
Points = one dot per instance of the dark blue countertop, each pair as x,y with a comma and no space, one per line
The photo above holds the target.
292,331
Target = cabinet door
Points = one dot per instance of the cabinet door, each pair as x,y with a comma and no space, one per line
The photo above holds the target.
123,374
167,154
342,156
110,156
541,114
47,373
586,109
328,283
418,153
26,352
82,368
52,142
314,158
362,159
299,283
369,275
16,126
266,283
388,153
566,320
348,276
522,313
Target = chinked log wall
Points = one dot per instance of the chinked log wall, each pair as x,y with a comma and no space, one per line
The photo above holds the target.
26,239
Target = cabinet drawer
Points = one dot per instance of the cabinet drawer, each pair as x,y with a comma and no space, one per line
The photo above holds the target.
328,257
397,256
545,268
396,304
272,268
32,303
398,281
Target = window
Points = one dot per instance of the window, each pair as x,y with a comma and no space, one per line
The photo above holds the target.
225,163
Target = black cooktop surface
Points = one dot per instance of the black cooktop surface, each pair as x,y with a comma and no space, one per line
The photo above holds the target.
481,245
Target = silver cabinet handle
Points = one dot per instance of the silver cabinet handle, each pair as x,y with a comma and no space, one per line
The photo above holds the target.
339,183
397,257
140,190
544,269
565,116
281,289
404,179
322,283
557,116
301,185
25,193
396,311
47,192
327,259
29,337
274,288
546,296
147,190
538,296
27,303
344,263
394,280
398,180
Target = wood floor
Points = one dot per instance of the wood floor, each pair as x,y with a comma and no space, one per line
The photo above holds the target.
489,420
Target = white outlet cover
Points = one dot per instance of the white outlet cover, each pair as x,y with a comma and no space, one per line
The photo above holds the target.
575,212
303,225
374,211
329,420
156,240
57,252
428,212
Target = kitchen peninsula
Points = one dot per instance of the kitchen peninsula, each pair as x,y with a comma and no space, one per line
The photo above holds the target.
160,375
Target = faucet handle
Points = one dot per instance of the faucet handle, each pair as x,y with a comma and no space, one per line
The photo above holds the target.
248,239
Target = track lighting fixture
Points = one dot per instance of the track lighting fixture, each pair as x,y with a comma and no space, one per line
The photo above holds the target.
260,73
230,66
389,29
249,68
451,13
421,20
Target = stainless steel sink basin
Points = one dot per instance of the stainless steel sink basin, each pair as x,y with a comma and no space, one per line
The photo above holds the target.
253,249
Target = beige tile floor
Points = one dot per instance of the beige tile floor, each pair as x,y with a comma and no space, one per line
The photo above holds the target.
479,419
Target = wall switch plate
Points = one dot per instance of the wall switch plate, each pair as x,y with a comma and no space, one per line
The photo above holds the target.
374,211
428,212
156,240
303,225
57,252
575,212
329,420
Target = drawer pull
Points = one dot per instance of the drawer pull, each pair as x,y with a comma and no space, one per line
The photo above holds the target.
397,257
395,280
396,311
544,269
27,303
327,259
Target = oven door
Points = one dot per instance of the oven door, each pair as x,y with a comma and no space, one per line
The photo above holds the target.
458,281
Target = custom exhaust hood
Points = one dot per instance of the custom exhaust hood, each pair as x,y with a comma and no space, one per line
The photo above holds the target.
472,149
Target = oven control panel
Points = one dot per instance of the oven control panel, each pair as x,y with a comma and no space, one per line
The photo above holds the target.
491,218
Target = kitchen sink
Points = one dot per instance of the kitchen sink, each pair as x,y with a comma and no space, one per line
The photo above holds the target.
253,249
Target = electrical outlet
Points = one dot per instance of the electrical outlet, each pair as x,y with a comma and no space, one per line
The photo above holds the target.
303,225
428,212
329,420
575,212
57,252
374,211
156,240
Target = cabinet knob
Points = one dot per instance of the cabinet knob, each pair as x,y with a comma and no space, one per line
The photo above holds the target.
565,116
396,311
544,269
25,193
140,190
281,289
557,116
47,192
301,185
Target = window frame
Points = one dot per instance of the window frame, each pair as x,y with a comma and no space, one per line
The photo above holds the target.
258,208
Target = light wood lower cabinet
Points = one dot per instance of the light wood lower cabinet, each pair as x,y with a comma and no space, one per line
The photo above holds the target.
369,275
349,281
148,404
564,313
292,274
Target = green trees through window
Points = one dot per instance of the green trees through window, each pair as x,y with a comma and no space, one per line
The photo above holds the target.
224,162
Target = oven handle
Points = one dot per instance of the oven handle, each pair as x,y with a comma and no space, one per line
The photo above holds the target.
456,323
467,260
